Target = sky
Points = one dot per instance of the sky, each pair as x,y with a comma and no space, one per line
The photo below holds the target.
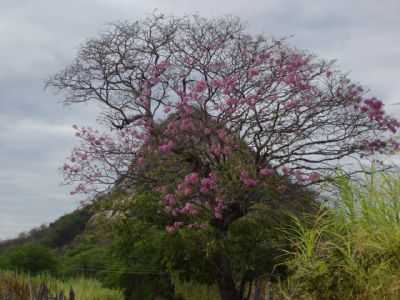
40,37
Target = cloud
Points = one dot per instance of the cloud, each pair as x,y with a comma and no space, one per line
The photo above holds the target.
38,38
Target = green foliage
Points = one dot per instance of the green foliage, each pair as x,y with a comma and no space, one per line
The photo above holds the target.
142,245
350,251
254,242
138,246
31,258
189,254
67,228
92,262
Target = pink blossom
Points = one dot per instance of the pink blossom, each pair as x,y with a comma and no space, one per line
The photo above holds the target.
291,78
165,148
217,214
221,134
170,228
200,86
208,183
286,171
140,161
291,104
253,72
218,83
216,150
267,172
227,150
207,131
169,199
252,100
299,176
186,125
187,191
246,180
187,109
192,178
178,224
314,177
232,101
273,99
189,209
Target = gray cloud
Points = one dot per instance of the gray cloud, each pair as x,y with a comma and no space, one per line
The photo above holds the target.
38,38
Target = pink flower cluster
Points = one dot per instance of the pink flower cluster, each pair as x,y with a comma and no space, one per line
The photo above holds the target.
380,146
208,183
219,207
193,182
174,227
247,180
374,109
191,195
178,224
301,177
167,147
267,172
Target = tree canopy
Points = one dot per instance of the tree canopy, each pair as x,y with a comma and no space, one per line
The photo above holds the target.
214,119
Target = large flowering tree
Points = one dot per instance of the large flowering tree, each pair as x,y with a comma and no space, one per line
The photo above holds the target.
208,116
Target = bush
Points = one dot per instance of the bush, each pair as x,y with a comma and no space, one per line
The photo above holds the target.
31,258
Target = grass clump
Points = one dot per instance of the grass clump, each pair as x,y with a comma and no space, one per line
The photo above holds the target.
21,286
352,250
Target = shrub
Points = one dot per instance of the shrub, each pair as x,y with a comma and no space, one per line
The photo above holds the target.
32,258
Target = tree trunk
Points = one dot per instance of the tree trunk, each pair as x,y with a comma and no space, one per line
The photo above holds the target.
259,290
226,284
224,275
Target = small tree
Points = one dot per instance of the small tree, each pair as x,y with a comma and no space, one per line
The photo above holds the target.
246,117
32,258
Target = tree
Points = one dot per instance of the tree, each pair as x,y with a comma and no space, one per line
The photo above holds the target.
214,119
32,258
139,245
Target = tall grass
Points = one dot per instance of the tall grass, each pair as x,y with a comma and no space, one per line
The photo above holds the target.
21,285
192,291
351,251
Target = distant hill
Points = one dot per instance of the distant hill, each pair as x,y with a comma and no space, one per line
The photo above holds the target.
55,235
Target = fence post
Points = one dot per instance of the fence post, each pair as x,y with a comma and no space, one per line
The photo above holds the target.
71,294
61,296
43,293
30,289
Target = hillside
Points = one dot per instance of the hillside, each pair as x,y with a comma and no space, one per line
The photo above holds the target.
57,234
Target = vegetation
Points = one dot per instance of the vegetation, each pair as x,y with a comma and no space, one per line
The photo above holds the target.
212,124
22,286
31,258
209,175
351,250
55,235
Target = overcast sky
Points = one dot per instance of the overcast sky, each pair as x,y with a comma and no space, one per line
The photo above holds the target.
39,37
